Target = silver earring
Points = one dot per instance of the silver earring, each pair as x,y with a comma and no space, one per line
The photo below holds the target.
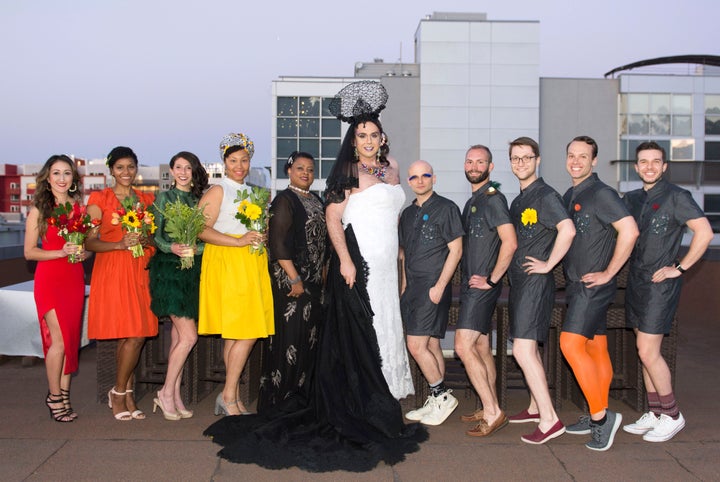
73,188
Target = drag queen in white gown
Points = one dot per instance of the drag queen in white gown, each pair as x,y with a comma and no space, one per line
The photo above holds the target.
373,212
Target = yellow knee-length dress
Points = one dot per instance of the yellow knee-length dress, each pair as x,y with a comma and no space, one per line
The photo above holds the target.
235,293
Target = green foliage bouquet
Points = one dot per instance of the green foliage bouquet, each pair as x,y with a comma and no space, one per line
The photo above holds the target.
183,223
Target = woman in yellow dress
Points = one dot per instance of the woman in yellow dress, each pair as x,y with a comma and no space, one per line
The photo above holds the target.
235,293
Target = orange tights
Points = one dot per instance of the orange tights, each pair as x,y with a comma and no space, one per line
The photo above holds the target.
590,362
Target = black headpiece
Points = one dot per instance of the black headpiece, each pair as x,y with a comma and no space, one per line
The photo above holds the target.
359,100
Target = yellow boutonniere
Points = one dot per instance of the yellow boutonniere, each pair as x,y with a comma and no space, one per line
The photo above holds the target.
529,216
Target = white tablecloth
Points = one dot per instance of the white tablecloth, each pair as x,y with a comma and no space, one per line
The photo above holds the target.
19,326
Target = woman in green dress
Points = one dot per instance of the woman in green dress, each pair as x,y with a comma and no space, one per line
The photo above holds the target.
175,291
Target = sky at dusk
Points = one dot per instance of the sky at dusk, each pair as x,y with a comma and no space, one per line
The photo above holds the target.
82,76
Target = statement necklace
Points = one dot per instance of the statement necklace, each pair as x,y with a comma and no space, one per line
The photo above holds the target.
378,172
299,189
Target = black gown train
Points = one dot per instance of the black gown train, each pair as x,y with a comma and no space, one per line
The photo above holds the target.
350,420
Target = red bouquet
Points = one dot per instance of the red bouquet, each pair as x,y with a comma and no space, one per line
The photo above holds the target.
73,223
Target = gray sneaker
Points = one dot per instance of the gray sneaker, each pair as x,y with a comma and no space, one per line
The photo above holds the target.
603,435
581,427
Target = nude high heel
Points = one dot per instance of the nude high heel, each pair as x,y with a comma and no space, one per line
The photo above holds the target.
157,403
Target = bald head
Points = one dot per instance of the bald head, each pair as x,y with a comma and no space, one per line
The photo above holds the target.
421,179
423,165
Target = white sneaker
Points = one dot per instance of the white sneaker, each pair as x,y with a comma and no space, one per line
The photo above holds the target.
643,425
666,429
443,405
417,414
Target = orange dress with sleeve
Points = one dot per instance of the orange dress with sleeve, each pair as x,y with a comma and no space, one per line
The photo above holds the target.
119,305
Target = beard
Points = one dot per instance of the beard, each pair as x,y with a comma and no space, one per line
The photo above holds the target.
477,179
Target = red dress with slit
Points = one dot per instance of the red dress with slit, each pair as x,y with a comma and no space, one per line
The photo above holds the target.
60,286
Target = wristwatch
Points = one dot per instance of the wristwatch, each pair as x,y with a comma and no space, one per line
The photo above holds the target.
490,282
680,268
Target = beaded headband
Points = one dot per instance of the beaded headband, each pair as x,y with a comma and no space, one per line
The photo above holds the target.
232,140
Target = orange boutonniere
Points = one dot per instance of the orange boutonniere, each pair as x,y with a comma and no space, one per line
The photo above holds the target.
577,207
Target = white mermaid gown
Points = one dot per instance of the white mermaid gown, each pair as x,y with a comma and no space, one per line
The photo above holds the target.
373,214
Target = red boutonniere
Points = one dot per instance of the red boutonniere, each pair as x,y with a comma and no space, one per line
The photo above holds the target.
578,207
655,206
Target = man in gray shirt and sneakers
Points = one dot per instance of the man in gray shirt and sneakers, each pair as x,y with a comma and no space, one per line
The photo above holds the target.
604,237
662,211
430,235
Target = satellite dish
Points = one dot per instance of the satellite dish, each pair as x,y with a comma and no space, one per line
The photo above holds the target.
359,65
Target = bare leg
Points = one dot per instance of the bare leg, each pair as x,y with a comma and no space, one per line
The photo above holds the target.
528,357
237,353
425,354
183,337
470,346
656,372
127,355
55,358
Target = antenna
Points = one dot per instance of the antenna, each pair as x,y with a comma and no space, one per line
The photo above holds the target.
400,58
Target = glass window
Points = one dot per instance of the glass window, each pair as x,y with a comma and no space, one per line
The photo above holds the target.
712,104
311,146
682,125
638,124
330,128
682,149
309,107
681,104
309,128
329,148
287,106
285,147
712,125
280,168
660,104
660,125
638,104
287,127
712,151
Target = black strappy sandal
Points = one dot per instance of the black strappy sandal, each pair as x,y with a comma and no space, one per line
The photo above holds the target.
66,401
57,414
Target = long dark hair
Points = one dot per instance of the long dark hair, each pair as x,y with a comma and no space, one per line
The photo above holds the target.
344,173
199,175
44,199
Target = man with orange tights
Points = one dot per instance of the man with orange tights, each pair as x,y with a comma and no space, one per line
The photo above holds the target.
605,234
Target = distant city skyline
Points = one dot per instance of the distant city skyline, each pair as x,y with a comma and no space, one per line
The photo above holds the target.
161,77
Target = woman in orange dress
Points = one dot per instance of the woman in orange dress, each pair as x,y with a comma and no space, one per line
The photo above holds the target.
120,287
59,285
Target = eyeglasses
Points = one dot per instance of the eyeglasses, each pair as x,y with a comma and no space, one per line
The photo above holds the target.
523,159
426,175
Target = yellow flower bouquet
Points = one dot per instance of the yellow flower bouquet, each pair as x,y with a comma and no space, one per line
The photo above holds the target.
183,223
134,219
253,212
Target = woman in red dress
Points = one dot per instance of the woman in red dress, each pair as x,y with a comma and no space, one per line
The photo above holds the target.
59,284
119,306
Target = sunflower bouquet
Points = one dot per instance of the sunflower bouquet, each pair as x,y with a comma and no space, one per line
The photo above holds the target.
253,212
73,223
183,223
134,218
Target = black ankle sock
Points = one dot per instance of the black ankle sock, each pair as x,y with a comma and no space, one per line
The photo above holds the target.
601,421
439,389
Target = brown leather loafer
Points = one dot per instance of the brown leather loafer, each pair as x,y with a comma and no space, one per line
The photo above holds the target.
483,429
476,416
